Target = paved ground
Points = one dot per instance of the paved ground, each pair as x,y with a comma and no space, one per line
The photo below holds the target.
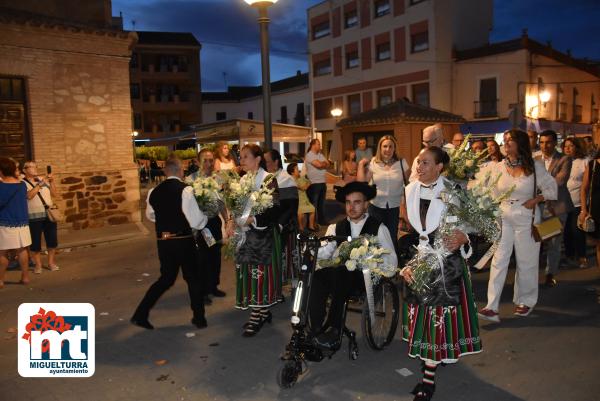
551,355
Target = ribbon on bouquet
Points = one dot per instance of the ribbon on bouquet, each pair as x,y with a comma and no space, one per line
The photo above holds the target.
240,222
369,291
425,250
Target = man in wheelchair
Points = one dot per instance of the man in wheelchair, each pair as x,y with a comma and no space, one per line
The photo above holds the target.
338,282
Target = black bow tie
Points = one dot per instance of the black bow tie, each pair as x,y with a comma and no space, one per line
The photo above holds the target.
430,186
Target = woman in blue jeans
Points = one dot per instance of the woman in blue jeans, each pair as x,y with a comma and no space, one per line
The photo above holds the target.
316,170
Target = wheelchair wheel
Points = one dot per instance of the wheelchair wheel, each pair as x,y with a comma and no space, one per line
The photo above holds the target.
288,374
380,332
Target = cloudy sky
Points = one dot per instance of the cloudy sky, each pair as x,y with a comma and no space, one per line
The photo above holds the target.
229,34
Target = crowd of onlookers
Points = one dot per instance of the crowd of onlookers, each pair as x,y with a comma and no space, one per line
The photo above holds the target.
25,197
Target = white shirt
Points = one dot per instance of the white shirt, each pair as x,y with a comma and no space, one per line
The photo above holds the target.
315,175
284,180
189,207
390,183
576,179
383,234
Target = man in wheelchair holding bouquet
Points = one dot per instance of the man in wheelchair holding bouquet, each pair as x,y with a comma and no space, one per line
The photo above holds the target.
337,281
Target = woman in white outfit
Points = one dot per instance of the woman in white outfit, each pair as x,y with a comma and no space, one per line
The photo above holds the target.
518,170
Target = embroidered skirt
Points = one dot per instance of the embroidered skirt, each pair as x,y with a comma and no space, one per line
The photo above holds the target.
259,285
443,333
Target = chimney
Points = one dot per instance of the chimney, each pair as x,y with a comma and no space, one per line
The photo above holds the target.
298,73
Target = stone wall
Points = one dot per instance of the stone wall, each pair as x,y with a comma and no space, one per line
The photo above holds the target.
79,113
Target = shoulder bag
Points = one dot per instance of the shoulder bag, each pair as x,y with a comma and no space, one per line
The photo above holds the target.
548,228
53,212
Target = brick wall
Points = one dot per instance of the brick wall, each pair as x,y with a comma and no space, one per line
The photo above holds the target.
79,113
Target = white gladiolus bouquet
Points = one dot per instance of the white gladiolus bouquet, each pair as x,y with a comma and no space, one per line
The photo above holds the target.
207,192
464,163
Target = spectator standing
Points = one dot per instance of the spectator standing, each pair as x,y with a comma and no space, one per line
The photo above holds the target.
533,143
14,229
477,146
590,200
494,153
518,171
38,189
224,159
559,166
362,152
432,136
304,205
575,244
590,147
389,173
457,139
349,166
316,170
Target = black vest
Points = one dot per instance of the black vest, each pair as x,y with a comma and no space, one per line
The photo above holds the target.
165,199
371,227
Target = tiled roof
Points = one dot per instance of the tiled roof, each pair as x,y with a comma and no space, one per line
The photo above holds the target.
524,42
237,93
167,38
399,111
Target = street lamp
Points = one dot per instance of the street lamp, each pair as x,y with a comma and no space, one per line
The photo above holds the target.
336,113
545,96
134,134
263,22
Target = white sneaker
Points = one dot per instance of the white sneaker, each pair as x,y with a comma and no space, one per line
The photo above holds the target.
488,314
53,268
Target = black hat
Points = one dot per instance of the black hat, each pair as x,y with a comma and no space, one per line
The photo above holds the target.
369,191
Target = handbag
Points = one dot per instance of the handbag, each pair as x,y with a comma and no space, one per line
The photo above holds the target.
589,225
53,212
548,228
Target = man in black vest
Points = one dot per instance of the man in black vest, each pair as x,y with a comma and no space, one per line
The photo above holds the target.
338,281
172,206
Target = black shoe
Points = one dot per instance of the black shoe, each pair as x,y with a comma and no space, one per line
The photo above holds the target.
207,300
218,293
550,281
329,339
144,323
423,392
200,322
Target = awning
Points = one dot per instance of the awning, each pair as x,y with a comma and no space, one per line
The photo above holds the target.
250,131
491,127
181,136
488,127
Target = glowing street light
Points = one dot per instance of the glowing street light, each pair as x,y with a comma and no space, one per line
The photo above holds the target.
336,113
263,22
545,96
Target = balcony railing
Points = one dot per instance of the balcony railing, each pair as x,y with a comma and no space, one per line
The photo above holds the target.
562,111
486,108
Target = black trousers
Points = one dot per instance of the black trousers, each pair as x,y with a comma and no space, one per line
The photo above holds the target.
340,284
173,254
316,194
209,264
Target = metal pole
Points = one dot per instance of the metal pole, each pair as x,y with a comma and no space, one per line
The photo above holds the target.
263,21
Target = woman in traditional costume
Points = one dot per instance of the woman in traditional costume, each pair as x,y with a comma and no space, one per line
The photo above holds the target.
441,325
258,279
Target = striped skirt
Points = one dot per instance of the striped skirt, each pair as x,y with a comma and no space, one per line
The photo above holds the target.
443,333
289,257
259,286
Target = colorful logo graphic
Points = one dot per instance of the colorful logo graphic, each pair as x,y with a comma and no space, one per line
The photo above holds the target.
56,340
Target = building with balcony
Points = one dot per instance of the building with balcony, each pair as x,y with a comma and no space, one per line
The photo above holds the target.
526,81
366,54
64,102
165,84
290,104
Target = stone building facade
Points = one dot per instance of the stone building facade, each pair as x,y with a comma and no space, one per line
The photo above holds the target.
76,110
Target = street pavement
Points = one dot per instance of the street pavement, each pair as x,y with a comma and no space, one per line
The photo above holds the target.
550,355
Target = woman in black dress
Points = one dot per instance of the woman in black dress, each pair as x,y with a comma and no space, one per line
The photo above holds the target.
590,200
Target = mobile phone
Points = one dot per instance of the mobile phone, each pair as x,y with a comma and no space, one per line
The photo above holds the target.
48,169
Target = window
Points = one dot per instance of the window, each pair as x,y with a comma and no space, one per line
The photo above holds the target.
352,60
413,2
382,7
320,30
419,42
383,51
221,115
354,104
135,91
384,97
284,118
250,115
487,105
322,68
323,108
299,118
133,63
11,89
137,121
420,94
350,19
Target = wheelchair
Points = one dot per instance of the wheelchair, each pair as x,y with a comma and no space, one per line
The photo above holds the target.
378,333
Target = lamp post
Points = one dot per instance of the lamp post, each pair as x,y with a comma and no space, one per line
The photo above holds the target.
337,137
263,22
134,134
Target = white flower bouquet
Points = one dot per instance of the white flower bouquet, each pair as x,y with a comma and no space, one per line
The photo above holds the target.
207,192
464,163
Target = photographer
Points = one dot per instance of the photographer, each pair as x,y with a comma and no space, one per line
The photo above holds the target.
40,190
